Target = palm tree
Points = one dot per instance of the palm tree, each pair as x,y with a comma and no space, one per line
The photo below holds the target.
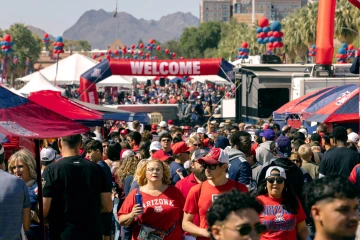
346,18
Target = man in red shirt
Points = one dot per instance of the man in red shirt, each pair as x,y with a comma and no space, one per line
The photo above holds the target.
197,176
201,196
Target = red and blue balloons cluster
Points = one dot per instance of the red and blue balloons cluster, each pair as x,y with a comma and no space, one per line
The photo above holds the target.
351,51
243,51
46,40
270,35
58,45
6,44
342,54
15,60
312,51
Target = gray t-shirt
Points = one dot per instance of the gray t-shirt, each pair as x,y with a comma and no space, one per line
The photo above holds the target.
14,197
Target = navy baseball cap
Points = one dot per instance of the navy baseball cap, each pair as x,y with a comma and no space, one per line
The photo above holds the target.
268,134
222,142
258,132
283,147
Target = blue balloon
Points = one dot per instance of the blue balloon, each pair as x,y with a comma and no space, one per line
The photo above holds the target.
260,40
279,40
313,46
59,39
246,50
239,49
344,45
135,57
266,40
275,26
272,39
246,57
353,51
266,29
259,30
342,51
11,44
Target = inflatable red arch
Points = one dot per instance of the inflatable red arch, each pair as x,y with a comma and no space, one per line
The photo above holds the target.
186,67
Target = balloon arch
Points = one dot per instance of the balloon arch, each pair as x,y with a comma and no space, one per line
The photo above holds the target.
184,67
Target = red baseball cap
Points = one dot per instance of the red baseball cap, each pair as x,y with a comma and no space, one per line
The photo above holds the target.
161,155
180,147
215,156
154,126
124,131
170,121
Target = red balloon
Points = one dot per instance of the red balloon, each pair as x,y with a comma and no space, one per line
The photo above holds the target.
132,46
262,35
101,54
351,47
281,44
158,48
54,43
244,45
109,52
270,48
270,34
270,45
147,55
167,51
281,34
141,45
124,51
3,47
276,34
276,44
46,35
108,57
116,52
100,60
141,53
174,55
151,41
182,58
94,56
132,52
257,35
263,22
7,38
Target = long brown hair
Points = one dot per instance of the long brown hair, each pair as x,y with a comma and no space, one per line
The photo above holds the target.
128,168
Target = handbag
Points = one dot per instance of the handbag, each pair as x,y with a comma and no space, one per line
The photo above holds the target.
150,233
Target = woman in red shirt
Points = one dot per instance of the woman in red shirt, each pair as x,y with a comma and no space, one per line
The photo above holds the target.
161,214
283,214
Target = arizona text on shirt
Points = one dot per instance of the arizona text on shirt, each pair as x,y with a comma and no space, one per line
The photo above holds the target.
164,68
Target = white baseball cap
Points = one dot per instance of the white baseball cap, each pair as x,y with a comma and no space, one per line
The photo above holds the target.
198,153
163,124
127,153
222,125
280,169
201,130
155,145
304,131
47,154
353,137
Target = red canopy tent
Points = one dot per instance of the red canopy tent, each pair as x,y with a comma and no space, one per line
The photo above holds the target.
54,101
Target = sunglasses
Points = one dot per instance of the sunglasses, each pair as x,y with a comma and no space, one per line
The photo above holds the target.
165,140
211,167
246,229
296,161
197,145
278,180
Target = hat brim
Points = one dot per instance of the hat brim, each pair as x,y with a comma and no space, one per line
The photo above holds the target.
208,160
166,158
281,154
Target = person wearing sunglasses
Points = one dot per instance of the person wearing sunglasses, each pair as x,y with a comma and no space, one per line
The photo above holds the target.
165,140
283,213
195,143
201,196
181,153
235,216
295,158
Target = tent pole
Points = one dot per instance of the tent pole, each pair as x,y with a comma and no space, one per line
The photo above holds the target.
40,189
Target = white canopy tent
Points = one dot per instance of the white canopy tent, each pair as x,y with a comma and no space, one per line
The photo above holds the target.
39,83
115,80
69,70
211,78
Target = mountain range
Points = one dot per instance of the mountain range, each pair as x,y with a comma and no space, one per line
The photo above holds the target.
98,27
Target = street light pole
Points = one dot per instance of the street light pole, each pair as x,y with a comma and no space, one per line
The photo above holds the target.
253,12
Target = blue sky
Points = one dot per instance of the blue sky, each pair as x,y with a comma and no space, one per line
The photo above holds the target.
57,16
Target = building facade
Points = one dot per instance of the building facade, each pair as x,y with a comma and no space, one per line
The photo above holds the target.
241,10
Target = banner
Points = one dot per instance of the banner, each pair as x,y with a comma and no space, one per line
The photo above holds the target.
185,67
356,3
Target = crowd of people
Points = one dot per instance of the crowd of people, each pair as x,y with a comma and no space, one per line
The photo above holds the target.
176,182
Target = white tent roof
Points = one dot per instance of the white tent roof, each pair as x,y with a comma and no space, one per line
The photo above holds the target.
38,83
115,81
211,78
69,70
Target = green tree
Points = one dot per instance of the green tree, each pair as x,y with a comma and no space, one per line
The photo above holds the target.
25,46
82,45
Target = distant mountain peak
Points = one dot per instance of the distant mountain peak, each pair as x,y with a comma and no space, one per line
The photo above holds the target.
98,27
39,32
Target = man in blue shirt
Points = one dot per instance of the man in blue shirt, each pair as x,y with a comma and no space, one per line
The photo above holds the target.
14,203
181,153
